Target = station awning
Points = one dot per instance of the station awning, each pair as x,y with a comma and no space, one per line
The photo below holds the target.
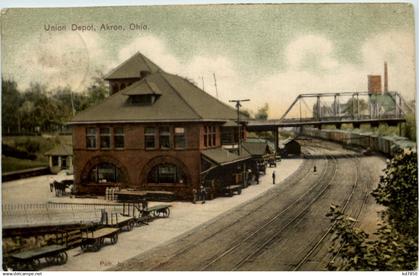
222,157
60,150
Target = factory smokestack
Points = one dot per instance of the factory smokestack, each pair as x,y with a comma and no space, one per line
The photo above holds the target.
385,78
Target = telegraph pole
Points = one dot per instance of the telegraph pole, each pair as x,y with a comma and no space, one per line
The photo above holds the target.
215,85
72,103
238,105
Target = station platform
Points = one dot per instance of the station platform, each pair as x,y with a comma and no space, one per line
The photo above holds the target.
185,217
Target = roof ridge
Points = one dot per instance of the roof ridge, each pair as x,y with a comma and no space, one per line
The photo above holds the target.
150,87
182,98
214,98
145,61
148,62
93,106
147,83
246,149
119,66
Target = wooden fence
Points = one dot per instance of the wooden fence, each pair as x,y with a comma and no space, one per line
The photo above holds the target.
45,214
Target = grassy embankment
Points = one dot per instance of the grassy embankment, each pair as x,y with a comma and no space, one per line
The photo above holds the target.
41,144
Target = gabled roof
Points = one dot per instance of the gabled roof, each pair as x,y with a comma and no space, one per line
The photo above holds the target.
180,100
143,87
61,149
256,148
132,67
221,156
260,140
287,141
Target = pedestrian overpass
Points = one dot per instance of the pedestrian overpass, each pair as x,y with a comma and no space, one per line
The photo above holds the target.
319,109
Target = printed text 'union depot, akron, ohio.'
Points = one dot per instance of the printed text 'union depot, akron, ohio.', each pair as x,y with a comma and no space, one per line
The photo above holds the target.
94,28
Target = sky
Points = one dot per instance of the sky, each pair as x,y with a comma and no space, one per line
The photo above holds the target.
266,53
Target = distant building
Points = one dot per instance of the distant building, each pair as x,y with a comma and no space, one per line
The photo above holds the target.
156,131
60,158
261,151
289,146
381,101
374,84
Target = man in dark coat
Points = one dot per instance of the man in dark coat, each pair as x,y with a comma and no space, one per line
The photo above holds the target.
274,177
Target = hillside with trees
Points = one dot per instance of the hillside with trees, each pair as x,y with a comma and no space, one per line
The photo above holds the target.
38,109
28,113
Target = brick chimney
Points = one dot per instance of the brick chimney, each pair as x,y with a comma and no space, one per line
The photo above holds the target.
374,84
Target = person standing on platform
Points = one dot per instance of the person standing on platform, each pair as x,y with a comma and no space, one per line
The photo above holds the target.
274,177
202,194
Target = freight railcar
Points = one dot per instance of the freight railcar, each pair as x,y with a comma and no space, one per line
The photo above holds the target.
388,145
373,142
385,143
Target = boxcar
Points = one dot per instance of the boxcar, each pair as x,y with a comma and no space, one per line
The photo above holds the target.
388,145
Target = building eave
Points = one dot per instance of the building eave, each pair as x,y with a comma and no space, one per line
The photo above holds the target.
145,121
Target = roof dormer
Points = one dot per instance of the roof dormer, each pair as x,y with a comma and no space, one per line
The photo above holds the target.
143,92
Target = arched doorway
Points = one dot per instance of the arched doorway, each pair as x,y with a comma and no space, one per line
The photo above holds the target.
165,171
104,171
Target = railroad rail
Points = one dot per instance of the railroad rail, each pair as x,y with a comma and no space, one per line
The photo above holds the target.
250,247
343,209
327,233
319,184
300,173
295,177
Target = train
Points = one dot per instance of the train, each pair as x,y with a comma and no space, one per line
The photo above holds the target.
388,145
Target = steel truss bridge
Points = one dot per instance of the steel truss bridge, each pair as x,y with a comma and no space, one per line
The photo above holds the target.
356,108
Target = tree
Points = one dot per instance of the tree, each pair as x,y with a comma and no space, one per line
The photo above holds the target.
262,113
247,113
395,245
350,107
41,109
410,126
97,90
397,191
324,111
10,101
27,121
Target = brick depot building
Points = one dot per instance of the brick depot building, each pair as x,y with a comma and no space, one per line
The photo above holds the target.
156,131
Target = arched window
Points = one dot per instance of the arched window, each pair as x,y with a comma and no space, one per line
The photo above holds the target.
105,172
166,173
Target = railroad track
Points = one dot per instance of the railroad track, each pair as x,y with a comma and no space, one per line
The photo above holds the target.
301,173
256,249
277,223
261,247
359,179
359,211
343,209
